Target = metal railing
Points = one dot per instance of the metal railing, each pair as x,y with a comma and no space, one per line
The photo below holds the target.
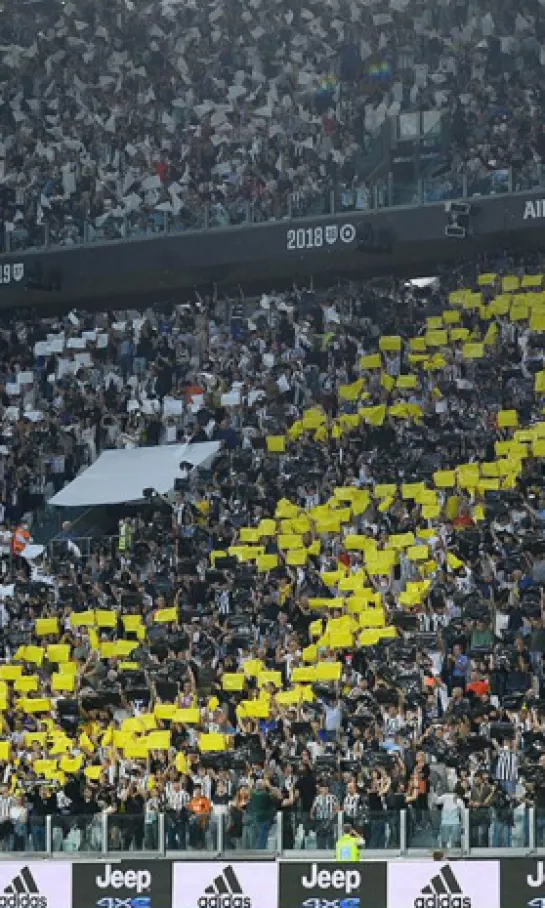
57,547
385,193
476,833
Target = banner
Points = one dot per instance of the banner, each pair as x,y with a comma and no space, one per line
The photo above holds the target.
122,884
330,885
35,884
522,883
204,884
444,884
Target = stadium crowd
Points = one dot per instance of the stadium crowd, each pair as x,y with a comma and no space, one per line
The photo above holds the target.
342,614
127,117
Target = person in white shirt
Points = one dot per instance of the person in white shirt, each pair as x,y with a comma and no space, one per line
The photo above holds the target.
451,818
18,814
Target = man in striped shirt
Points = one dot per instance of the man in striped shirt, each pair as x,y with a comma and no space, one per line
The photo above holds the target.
352,803
176,817
6,827
323,812
507,766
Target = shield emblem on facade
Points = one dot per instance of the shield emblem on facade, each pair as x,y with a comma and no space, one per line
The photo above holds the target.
331,234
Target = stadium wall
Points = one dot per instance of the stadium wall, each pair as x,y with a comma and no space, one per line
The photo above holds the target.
405,240
149,883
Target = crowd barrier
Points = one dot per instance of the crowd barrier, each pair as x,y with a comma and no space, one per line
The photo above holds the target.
477,834
440,883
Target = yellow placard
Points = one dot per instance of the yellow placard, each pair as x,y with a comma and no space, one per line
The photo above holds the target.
58,652
71,764
249,534
328,671
310,653
46,627
508,419
40,705
297,557
34,654
10,672
531,280
252,667
125,647
373,415
82,619
417,344
63,682
436,338
473,351
255,709
406,382
266,563
373,361
105,618
487,280
26,684
189,715
233,681
290,541
418,553
270,677
372,617
107,649
451,317
537,321
385,490
165,711
276,444
166,615
304,674
212,741
391,343
158,740
351,392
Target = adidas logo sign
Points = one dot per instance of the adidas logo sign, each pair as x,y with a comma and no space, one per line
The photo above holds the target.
443,891
22,892
224,892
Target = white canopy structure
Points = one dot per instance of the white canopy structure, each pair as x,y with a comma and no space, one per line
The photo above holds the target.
120,476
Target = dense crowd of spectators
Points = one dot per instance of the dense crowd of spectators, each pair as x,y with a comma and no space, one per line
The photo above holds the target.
132,117
303,628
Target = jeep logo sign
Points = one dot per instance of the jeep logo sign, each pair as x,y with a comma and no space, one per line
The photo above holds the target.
319,884
122,884
140,880
348,880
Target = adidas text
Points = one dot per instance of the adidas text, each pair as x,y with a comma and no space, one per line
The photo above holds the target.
442,901
225,892
22,900
22,892
225,901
